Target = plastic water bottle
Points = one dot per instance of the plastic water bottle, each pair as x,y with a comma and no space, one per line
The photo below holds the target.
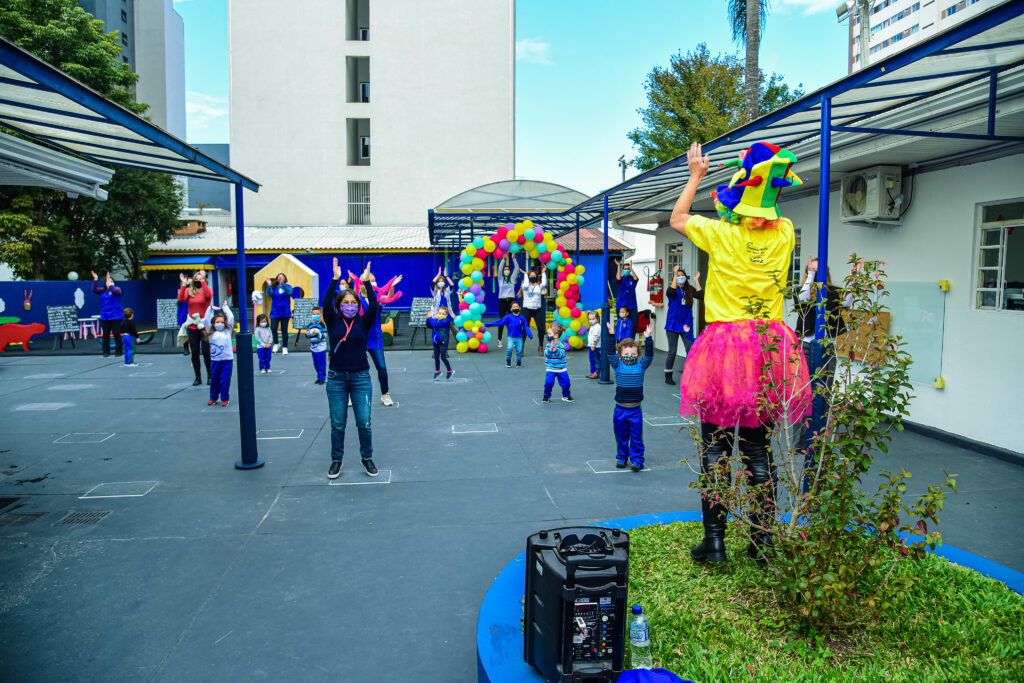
640,640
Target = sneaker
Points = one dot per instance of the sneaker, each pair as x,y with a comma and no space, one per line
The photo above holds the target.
621,464
370,468
592,375
449,374
499,343
263,372
224,404
284,351
636,468
386,400
197,382
519,365
437,375
508,364
668,379
133,365
568,399
276,348
546,399
211,401
335,470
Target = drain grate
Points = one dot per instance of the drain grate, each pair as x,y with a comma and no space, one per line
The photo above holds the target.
5,502
82,518
20,518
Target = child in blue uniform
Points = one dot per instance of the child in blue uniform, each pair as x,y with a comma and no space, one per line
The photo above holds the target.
628,419
219,324
624,328
441,326
129,337
317,334
555,365
264,340
517,326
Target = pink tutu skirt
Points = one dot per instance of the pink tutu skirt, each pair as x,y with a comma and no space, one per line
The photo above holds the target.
736,374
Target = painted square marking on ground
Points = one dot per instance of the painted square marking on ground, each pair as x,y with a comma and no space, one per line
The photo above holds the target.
46,375
358,477
85,437
42,406
666,421
607,466
148,373
270,434
485,428
120,489
71,387
555,398
453,380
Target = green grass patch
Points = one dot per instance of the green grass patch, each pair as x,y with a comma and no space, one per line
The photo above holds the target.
725,624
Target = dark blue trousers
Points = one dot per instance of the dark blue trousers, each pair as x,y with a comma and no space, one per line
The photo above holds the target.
320,364
549,383
263,353
129,348
595,360
629,434
220,379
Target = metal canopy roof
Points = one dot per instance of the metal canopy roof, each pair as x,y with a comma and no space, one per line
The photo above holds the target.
975,65
482,209
26,163
44,103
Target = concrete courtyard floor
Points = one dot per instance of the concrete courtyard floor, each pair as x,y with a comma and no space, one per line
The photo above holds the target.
192,570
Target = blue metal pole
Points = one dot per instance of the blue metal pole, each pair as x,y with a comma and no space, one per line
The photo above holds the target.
993,84
243,342
577,261
817,360
605,312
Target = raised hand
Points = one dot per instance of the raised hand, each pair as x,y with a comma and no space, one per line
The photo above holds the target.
696,276
647,331
812,264
202,274
94,275
268,280
398,279
181,276
365,277
611,328
697,162
336,268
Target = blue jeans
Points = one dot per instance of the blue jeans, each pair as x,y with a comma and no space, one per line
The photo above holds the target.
129,348
340,387
263,354
517,344
220,379
377,356
320,364
629,434
595,361
549,383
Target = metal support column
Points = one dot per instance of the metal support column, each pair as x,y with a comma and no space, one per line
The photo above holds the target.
817,359
243,359
993,84
577,261
605,312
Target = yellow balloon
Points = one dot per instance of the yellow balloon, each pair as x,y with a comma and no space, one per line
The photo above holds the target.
489,245
571,279
462,347
563,285
579,270
527,224
471,250
560,301
575,325
466,269
468,281
469,324
564,311
473,343
476,328
576,342
519,227
478,263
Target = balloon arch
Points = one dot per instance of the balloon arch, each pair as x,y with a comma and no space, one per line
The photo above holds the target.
472,334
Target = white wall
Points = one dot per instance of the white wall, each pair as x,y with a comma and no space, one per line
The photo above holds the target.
441,110
160,63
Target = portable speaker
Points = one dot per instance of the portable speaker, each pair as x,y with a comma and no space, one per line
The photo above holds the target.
575,603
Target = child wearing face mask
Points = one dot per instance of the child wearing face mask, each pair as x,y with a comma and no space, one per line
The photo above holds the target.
219,324
441,326
264,342
518,326
628,418
317,335
555,365
507,277
626,297
441,290
624,328
594,342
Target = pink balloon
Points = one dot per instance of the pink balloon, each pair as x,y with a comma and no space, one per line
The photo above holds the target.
482,348
498,253
545,257
463,306
522,239
576,312
538,236
501,232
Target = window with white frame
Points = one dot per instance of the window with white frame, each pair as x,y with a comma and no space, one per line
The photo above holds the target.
358,202
999,265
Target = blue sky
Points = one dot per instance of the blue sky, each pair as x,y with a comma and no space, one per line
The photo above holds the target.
580,71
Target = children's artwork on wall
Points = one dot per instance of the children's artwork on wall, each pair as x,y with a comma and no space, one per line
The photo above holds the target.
79,298
28,299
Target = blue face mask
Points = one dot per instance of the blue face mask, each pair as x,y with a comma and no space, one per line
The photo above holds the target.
316,318
219,327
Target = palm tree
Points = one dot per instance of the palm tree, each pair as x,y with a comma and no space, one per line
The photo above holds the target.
748,19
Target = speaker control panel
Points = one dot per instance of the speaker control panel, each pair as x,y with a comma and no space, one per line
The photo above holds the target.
593,629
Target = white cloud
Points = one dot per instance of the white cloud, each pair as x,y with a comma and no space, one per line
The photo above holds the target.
200,107
533,51
811,6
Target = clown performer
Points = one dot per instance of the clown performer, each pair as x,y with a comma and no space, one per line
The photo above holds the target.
747,369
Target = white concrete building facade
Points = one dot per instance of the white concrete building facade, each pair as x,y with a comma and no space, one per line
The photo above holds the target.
366,112
160,63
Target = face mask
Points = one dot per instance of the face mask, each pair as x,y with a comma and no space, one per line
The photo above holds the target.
219,327
507,272
263,324
316,318
627,272
681,280
628,360
349,310
515,311
533,280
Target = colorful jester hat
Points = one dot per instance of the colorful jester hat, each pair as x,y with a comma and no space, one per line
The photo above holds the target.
764,169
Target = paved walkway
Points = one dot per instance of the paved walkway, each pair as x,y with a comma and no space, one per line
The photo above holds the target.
195,571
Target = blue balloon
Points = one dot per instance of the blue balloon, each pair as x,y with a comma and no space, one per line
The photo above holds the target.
461,336
487,337
465,258
469,297
478,243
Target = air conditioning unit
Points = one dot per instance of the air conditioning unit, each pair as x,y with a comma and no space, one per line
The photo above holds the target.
873,195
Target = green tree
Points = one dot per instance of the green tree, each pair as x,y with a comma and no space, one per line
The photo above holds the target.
44,233
696,99
748,18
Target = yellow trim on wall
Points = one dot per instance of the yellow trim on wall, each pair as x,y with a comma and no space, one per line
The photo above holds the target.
178,266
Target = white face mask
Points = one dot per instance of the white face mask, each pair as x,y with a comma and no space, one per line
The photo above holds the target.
219,327
681,280
263,324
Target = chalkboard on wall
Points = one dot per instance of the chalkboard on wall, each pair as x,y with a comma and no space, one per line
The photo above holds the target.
62,319
302,313
167,314
421,306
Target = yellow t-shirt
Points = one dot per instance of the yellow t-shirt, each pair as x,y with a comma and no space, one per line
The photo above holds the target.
743,262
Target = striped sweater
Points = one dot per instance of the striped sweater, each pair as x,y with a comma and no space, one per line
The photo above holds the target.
554,358
629,379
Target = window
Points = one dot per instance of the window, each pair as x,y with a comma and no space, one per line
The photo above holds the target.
999,266
124,39
358,203
124,16
953,9
364,34
364,147
364,92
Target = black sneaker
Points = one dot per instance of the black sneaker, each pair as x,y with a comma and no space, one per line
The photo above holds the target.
636,468
519,366
335,470
449,374
545,400
370,468
508,364
668,379
621,464
197,382
568,399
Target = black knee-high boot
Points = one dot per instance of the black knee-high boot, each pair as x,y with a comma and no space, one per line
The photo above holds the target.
716,448
755,448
